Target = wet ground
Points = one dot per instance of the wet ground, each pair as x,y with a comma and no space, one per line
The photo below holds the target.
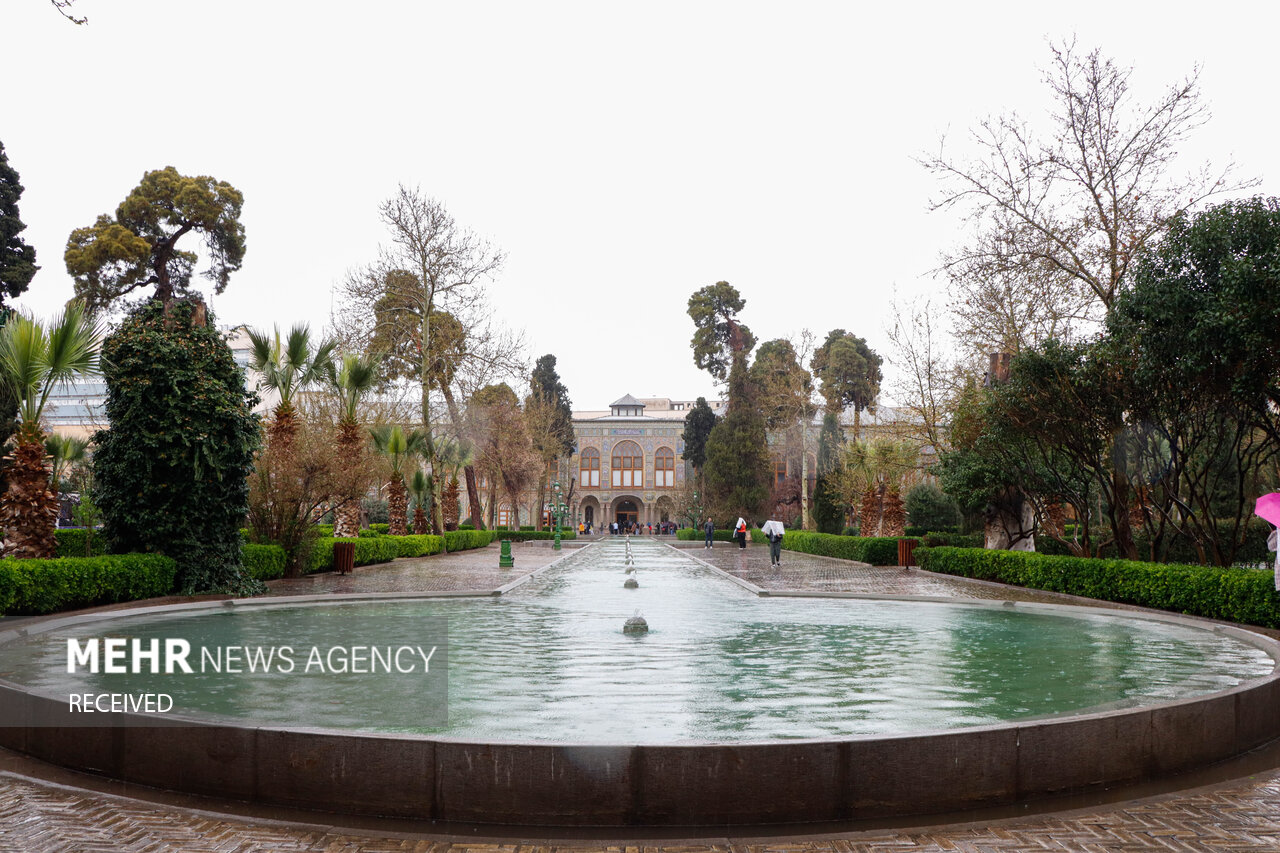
1235,808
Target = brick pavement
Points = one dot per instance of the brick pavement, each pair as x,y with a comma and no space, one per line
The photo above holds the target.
38,814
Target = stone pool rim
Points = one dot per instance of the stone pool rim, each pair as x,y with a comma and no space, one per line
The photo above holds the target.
685,783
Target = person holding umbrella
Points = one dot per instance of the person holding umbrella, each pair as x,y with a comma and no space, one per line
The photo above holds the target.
740,532
1268,507
774,531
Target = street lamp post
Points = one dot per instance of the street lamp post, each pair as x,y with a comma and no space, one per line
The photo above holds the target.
558,509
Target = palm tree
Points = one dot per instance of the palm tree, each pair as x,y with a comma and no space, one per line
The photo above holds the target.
356,376
34,360
420,486
397,445
452,456
64,450
288,366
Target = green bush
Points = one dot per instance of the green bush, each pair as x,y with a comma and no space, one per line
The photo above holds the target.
380,528
384,549
263,562
928,507
697,534
465,526
324,529
463,540
367,533
876,550
1234,595
526,527
66,583
418,545
531,535
71,542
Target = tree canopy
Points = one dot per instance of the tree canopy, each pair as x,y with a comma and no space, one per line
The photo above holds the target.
138,247
697,426
718,337
1060,218
17,259
849,371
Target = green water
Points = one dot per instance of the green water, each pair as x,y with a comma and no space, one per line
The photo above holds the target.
549,661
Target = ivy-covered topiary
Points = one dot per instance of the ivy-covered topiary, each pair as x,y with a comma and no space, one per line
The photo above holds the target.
171,470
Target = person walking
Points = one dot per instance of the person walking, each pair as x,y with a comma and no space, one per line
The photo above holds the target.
774,531
710,530
740,532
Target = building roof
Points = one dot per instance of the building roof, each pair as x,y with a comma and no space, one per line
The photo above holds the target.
628,400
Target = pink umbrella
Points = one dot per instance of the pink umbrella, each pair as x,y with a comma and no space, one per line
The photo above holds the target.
1268,507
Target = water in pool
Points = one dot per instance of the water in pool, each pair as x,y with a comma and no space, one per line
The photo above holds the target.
549,661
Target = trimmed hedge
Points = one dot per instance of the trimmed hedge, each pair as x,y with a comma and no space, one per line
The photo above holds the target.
531,535
384,549
71,542
263,562
1233,595
697,534
418,545
379,528
465,540
876,550
67,583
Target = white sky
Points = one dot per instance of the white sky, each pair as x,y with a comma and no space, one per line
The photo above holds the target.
622,155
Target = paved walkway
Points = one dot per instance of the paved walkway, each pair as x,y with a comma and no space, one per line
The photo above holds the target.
46,809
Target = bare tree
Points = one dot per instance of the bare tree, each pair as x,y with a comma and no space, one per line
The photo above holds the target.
428,282
926,380
1059,219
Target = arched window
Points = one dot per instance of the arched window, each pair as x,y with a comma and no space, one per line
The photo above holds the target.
628,465
664,468
589,468
779,472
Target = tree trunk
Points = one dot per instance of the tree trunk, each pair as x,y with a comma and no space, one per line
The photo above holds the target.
806,522
542,496
346,520
450,507
398,506
419,521
1120,500
29,509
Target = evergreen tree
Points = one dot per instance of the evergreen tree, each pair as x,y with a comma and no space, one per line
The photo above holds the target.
17,259
826,511
738,470
549,416
172,469
697,429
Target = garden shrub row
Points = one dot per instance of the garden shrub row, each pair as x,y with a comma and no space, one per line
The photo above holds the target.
699,535
531,535
1235,595
263,562
876,550
67,583
71,542
384,549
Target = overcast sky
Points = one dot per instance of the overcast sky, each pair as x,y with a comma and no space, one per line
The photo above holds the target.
623,155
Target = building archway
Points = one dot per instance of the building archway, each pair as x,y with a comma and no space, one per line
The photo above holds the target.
664,509
627,509
589,512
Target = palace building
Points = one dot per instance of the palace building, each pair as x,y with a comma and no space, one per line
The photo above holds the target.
628,461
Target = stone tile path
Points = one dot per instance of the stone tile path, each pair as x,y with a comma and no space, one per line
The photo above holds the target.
39,811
